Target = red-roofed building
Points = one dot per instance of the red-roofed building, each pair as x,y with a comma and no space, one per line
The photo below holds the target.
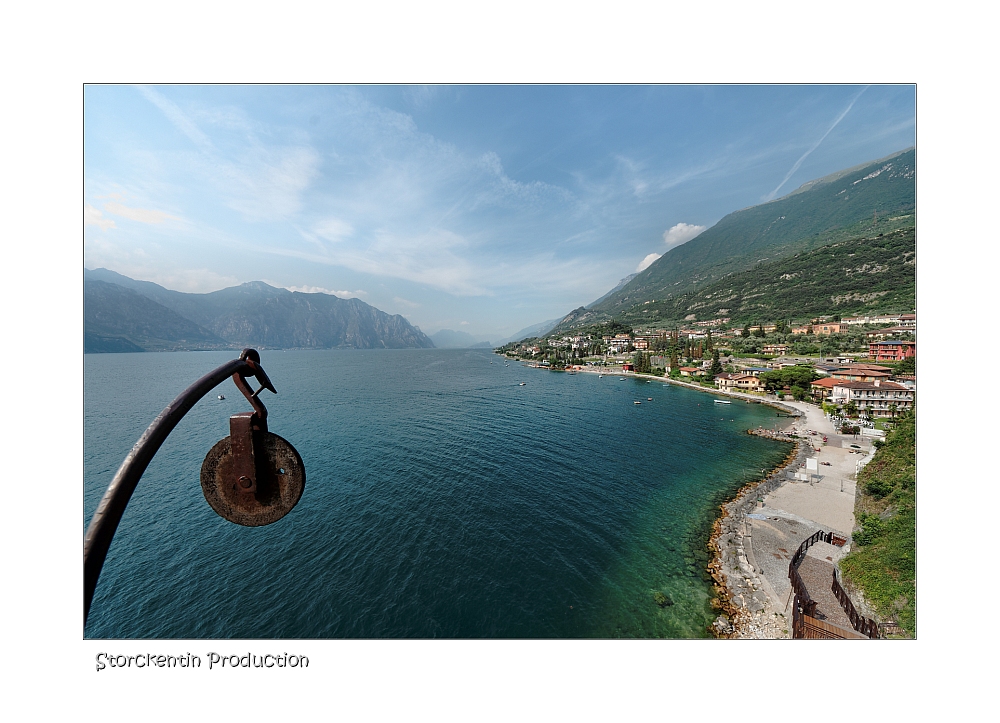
823,388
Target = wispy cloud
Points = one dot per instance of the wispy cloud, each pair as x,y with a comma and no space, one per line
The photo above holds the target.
93,217
262,182
142,215
176,116
815,145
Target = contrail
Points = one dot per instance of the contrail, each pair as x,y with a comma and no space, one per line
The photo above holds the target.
805,155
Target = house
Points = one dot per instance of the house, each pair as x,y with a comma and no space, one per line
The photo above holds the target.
859,375
754,371
740,382
891,331
876,399
802,330
774,349
908,320
823,388
692,372
891,350
826,328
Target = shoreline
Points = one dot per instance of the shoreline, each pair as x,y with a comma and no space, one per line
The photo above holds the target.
739,591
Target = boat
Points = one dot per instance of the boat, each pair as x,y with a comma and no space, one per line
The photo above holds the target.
521,384
222,396
649,399
722,401
636,402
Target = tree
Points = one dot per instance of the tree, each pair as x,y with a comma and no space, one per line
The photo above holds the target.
746,331
716,364
708,342
759,332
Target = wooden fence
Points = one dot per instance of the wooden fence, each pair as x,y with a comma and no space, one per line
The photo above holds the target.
804,625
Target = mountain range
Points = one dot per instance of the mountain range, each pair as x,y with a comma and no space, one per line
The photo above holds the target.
124,314
878,197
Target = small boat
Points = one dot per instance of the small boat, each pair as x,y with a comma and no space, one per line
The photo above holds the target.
636,402
649,399
521,384
722,401
621,379
222,396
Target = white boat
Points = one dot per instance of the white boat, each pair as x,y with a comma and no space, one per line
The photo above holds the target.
722,401
636,402
521,384
222,396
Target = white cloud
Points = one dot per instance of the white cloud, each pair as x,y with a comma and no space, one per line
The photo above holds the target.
93,217
333,229
680,233
321,290
405,302
143,215
644,264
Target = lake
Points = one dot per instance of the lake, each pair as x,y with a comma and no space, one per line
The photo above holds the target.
442,499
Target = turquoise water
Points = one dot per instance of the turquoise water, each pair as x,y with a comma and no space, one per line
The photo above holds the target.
442,499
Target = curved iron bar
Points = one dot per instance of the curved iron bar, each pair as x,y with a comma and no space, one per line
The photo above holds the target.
104,523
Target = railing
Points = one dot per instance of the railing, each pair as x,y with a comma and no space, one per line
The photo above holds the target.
806,627
804,624
801,594
865,626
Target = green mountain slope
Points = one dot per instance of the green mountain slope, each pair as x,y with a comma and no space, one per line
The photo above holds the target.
847,278
837,207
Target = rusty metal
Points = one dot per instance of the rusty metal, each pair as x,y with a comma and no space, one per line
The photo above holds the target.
263,489
279,479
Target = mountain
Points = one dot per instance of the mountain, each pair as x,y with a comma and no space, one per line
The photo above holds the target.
448,339
620,285
530,332
119,319
849,278
879,196
252,314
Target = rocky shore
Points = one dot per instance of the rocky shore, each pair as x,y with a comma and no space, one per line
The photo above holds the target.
746,610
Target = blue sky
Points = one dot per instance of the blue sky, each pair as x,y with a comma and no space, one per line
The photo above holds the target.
475,208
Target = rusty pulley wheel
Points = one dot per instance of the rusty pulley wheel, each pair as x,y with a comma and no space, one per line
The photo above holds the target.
280,480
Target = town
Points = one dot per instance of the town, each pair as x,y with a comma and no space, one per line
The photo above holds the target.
859,368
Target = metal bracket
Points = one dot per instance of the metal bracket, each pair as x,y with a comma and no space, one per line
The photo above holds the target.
241,427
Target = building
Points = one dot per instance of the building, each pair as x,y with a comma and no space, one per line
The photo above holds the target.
802,329
826,328
774,349
891,350
738,382
891,331
860,375
823,388
876,399
692,372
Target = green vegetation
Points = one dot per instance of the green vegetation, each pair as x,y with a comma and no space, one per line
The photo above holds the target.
867,201
796,378
883,563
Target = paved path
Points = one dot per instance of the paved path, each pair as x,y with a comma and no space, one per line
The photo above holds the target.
796,509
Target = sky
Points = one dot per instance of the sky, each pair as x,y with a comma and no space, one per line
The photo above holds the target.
483,208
